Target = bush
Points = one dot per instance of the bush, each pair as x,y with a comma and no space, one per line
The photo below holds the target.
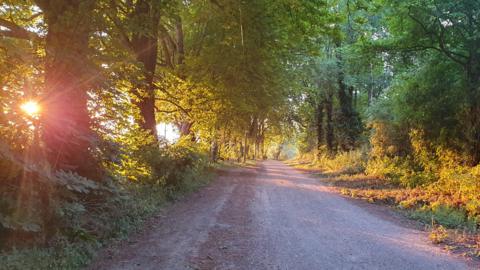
167,166
64,217
461,187
179,164
351,162
74,247
444,215
388,139
438,235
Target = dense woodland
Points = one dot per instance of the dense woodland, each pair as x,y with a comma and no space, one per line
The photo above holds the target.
384,88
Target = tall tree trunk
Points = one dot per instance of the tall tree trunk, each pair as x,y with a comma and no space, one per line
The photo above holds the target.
241,152
370,86
349,121
67,132
350,94
319,125
145,45
472,68
245,148
329,125
473,133
180,38
262,139
214,150
355,100
264,154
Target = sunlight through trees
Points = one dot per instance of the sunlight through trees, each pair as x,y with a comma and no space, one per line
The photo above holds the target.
103,100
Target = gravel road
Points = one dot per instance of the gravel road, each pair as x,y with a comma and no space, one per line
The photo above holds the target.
273,217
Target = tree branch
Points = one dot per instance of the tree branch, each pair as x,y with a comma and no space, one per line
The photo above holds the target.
164,111
123,34
440,39
187,112
16,31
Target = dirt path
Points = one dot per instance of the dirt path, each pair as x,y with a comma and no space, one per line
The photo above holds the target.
273,217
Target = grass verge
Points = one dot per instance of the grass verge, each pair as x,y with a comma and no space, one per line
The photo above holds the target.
449,226
112,221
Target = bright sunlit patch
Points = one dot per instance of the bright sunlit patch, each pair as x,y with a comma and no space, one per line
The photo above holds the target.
31,108
168,132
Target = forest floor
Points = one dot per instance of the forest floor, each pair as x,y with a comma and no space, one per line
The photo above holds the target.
271,216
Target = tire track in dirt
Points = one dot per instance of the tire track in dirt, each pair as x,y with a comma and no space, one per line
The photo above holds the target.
230,241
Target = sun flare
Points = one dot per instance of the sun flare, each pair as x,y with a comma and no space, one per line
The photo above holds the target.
31,108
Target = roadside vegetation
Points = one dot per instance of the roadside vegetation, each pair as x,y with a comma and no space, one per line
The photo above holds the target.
88,215
392,113
441,208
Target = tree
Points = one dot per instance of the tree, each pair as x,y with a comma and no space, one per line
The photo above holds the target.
449,29
69,76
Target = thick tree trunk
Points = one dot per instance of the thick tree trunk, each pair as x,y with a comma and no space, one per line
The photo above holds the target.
145,45
67,132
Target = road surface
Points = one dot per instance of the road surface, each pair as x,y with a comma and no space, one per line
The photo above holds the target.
271,216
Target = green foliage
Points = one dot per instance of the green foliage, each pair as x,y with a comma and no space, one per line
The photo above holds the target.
75,247
446,216
181,164
69,256
85,226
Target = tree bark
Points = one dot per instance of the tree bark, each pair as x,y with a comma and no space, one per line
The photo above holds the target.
329,125
180,43
245,148
473,133
319,125
349,122
145,45
67,132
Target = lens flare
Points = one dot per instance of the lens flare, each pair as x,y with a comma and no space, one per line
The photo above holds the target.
31,108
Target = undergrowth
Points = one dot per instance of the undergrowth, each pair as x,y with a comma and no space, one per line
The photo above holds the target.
431,187
115,221
87,215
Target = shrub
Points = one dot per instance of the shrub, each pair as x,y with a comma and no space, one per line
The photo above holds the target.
438,235
179,164
55,220
350,162
388,139
461,187
444,215
396,170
